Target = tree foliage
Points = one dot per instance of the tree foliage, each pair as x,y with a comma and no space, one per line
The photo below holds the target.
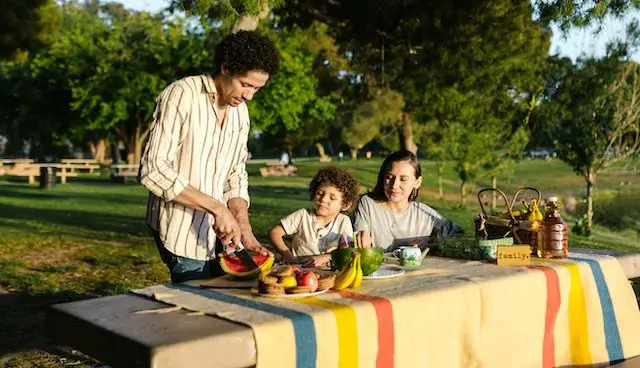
597,117
26,26
384,110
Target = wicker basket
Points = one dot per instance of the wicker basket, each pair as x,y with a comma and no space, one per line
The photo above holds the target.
495,227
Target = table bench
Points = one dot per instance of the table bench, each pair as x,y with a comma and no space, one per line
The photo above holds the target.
120,172
81,164
32,171
109,329
13,161
278,169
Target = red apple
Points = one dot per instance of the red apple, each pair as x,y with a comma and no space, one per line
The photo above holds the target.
309,279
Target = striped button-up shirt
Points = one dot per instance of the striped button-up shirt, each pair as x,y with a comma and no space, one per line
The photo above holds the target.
187,146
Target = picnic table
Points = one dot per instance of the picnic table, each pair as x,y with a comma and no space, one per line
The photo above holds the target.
81,164
447,313
278,169
31,170
13,161
120,172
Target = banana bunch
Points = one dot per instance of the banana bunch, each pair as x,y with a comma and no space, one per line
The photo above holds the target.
535,214
351,275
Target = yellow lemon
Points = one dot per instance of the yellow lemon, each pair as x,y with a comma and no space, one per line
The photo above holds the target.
288,281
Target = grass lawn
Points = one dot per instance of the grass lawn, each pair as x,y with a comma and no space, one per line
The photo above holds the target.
88,238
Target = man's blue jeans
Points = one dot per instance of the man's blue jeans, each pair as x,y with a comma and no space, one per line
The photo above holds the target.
185,269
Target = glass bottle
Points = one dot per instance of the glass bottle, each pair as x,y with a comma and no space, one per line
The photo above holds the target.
554,231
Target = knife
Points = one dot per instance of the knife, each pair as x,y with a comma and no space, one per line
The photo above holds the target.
245,257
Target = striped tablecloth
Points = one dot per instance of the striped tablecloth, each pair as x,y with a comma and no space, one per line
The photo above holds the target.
577,311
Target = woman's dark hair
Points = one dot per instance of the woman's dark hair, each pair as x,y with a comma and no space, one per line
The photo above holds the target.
245,51
403,155
340,178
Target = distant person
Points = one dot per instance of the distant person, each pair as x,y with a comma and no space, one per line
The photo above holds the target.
390,212
284,159
318,231
194,161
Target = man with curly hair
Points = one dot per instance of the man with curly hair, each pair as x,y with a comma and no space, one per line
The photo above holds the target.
194,161
318,231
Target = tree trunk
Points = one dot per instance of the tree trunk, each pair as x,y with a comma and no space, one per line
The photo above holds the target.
321,152
354,153
463,193
440,175
135,141
406,134
591,181
494,198
250,22
99,150
134,146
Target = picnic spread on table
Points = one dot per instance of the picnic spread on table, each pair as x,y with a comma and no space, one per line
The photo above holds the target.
553,308
511,295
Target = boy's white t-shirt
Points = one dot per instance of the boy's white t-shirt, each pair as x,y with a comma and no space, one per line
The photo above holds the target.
310,238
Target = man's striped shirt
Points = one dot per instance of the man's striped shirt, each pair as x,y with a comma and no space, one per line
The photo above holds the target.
187,146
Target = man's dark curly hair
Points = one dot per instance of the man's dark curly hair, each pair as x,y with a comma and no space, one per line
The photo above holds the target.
245,51
340,178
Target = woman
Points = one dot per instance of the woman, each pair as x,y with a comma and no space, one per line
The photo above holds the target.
390,212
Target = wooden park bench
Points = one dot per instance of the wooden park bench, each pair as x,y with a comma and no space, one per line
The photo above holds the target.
81,164
32,171
23,170
278,169
10,162
120,172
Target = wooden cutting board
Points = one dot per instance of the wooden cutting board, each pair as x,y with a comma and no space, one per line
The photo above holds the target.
227,282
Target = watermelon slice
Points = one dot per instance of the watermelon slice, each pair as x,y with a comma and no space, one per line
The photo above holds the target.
233,266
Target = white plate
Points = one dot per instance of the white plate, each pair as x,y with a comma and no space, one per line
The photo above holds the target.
385,272
288,296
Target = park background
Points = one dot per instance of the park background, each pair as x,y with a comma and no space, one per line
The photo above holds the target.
486,93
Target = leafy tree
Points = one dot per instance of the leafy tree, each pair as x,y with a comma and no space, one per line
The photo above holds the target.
120,67
479,90
385,109
421,49
34,102
27,25
582,12
291,101
598,114
242,14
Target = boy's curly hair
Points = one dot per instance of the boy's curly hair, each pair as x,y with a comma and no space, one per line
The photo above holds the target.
340,178
245,51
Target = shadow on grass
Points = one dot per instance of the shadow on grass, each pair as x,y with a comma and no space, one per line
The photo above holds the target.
22,318
35,193
93,221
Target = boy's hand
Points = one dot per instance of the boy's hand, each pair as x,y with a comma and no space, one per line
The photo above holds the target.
318,261
288,257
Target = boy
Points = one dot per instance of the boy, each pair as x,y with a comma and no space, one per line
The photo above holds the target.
318,231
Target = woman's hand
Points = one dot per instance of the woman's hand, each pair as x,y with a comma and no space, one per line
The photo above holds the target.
321,260
365,239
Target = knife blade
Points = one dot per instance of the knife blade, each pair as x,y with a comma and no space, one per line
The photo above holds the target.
245,257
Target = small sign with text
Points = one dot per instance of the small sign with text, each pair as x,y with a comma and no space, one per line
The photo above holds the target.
513,255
